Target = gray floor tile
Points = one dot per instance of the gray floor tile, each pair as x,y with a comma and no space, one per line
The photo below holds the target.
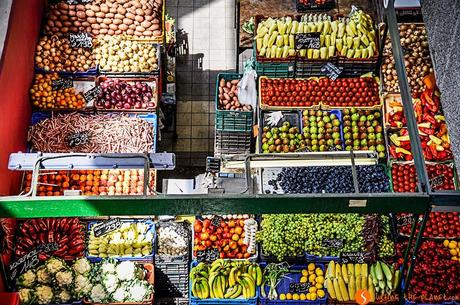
200,89
200,77
201,12
183,90
185,3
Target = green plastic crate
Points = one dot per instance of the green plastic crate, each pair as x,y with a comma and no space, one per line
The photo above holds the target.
231,120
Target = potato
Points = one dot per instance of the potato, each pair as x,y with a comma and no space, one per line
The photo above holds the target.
90,13
127,21
100,14
139,18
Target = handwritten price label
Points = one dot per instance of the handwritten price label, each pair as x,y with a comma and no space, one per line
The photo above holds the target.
207,255
61,83
307,41
436,181
91,94
336,243
405,220
78,138
352,257
80,40
106,227
331,70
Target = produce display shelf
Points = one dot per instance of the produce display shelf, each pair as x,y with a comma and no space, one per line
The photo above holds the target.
166,262
171,301
238,301
293,276
311,6
91,72
231,120
232,143
172,285
151,229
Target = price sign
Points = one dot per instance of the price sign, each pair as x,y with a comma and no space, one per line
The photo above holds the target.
331,70
106,227
49,247
207,255
303,149
78,1
352,257
216,220
91,94
212,165
336,243
299,287
332,148
80,40
78,138
307,41
436,181
405,220
61,83
20,266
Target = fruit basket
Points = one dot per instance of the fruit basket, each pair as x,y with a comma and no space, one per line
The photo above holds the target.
228,301
226,232
403,225
147,90
296,86
62,90
129,227
93,71
171,284
231,120
183,229
324,123
290,289
303,6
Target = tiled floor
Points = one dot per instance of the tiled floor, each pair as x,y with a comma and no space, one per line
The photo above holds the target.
207,35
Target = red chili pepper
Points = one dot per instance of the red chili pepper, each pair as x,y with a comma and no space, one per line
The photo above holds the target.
76,242
64,225
77,249
28,242
63,249
428,131
68,257
42,237
429,118
393,152
51,236
43,256
42,225
433,150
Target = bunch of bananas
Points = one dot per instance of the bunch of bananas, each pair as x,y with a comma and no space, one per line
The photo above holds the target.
343,281
225,279
352,37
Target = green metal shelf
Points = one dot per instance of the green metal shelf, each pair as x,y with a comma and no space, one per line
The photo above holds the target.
29,207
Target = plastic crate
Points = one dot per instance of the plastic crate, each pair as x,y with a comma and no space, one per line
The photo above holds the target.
172,260
171,301
338,113
93,259
283,287
312,6
305,68
237,301
149,117
275,69
171,285
232,143
321,259
231,120
299,259
90,72
151,81
173,268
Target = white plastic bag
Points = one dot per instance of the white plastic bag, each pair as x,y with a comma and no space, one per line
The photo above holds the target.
247,89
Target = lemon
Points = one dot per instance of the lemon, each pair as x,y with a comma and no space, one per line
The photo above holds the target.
455,258
309,296
452,245
453,252
303,279
320,279
312,278
319,272
282,297
311,266
303,296
295,297
446,243
304,272
310,272
320,293
312,289
319,286
288,296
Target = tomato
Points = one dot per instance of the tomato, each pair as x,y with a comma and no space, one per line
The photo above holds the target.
289,104
302,104
304,88
297,98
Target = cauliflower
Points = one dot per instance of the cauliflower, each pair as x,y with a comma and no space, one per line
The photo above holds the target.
120,294
63,296
54,265
126,271
110,282
108,267
44,294
27,279
82,266
98,294
64,278
43,277
26,295
139,291
82,286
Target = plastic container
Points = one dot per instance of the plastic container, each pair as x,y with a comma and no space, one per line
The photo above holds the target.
138,74
149,117
90,72
294,117
338,113
238,301
312,6
232,143
156,39
299,259
171,285
283,287
152,82
267,107
275,69
231,120
81,85
171,301
150,277
320,259
151,229
253,257
173,260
